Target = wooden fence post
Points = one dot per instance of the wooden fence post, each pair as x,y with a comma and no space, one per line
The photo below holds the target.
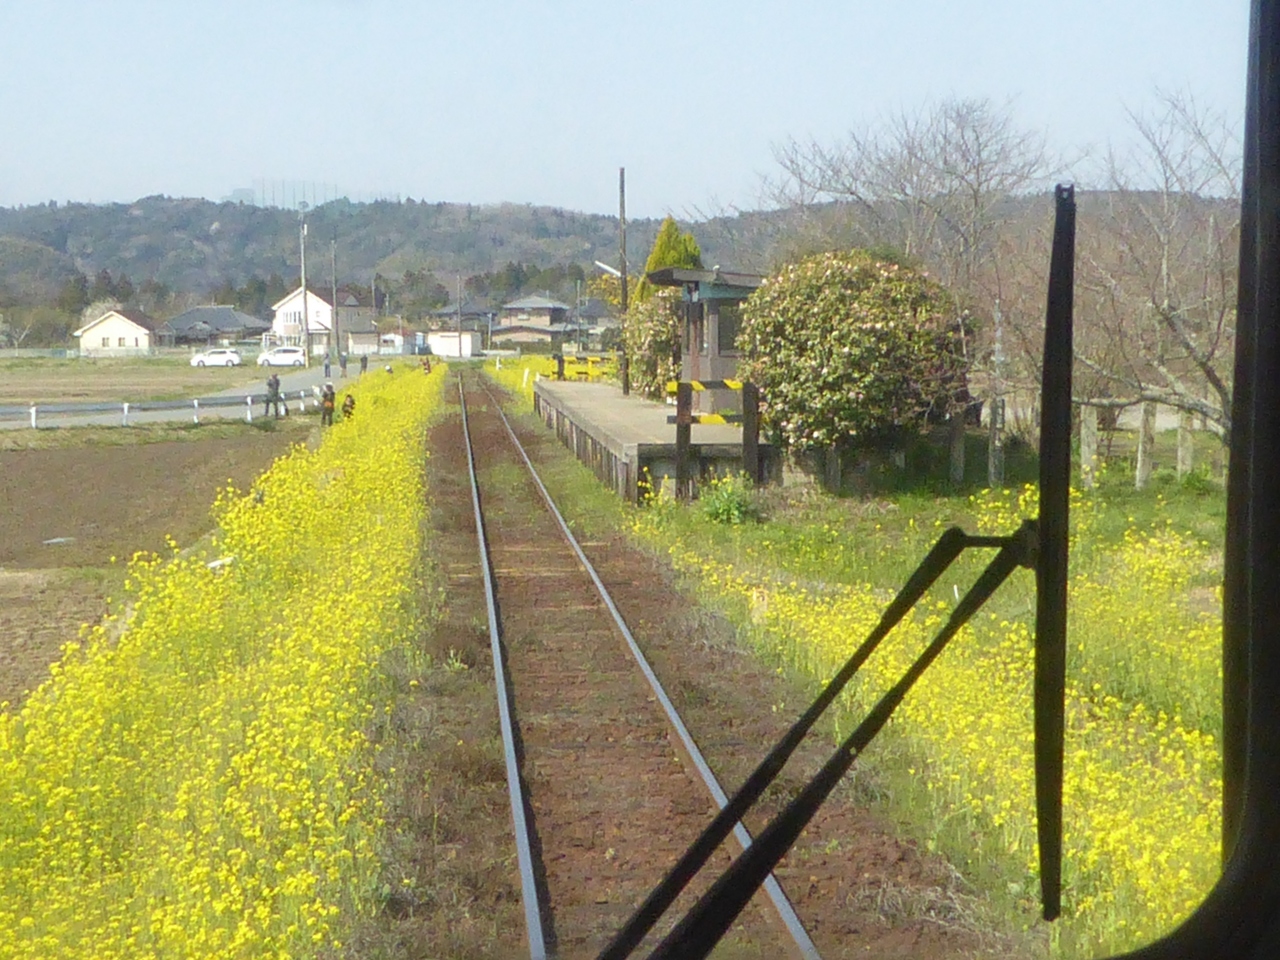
1185,445
1088,446
1146,444
833,469
995,443
751,432
684,430
957,438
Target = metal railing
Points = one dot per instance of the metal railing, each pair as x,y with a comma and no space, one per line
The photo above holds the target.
35,411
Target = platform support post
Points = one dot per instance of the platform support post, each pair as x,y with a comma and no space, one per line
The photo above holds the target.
751,432
684,432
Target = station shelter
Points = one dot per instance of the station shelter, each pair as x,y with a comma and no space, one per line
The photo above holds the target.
711,301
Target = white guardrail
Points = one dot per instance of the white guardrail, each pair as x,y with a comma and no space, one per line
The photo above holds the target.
35,412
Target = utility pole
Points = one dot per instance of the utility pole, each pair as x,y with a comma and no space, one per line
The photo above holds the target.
302,246
333,288
625,363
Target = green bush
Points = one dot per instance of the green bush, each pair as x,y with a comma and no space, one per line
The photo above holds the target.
730,499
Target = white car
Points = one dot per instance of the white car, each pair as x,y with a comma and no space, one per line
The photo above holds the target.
283,357
221,357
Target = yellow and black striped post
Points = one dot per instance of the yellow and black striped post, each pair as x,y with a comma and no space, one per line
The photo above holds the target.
749,418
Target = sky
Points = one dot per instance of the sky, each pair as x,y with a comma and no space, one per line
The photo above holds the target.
486,101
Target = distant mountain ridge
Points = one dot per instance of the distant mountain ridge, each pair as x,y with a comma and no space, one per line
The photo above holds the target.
196,244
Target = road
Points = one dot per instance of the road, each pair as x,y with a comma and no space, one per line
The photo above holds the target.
293,382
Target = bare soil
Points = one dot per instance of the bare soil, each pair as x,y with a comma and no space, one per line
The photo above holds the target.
40,610
113,501
107,501
612,804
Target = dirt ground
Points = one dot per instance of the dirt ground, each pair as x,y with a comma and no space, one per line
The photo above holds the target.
100,502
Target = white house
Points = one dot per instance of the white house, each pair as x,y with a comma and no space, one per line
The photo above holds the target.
287,326
465,344
118,333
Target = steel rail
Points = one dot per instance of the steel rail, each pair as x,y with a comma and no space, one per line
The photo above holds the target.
515,792
773,889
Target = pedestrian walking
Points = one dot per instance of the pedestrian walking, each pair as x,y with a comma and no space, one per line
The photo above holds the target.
326,364
327,401
342,365
273,397
364,362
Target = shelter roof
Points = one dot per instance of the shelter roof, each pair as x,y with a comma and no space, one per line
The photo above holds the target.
679,276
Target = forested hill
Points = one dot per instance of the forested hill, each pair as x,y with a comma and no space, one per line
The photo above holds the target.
197,245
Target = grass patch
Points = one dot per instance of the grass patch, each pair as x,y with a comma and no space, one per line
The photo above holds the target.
59,438
32,380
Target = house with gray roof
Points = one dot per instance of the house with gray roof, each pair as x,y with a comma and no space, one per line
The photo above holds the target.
214,324
534,320
474,315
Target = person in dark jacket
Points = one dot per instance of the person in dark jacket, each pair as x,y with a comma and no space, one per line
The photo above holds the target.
364,362
348,406
327,403
273,397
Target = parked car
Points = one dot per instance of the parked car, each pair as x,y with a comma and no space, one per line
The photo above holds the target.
220,357
283,357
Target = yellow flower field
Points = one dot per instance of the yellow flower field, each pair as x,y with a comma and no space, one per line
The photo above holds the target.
1143,786
518,375
1143,757
194,779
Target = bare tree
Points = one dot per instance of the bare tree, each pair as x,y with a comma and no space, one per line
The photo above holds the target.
1159,277
934,185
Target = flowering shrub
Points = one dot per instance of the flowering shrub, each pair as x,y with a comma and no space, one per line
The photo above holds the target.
194,778
845,346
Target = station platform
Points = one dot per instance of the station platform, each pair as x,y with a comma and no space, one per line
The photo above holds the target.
624,438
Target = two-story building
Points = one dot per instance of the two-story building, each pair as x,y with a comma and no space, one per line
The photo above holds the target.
288,327
533,320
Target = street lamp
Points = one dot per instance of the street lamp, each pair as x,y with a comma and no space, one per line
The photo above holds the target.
302,246
624,367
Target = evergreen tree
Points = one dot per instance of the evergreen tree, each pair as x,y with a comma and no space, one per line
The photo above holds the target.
104,288
74,295
671,248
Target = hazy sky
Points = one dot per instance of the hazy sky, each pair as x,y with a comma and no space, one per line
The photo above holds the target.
541,102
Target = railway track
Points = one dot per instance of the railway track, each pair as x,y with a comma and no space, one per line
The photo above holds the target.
607,786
